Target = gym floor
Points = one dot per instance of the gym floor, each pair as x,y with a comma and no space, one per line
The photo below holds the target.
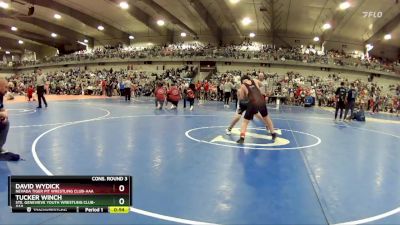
186,170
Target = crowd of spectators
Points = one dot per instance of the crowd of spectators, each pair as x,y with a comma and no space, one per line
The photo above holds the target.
99,82
293,88
246,50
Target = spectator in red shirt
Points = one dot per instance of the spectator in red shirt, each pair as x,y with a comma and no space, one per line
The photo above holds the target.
190,95
29,92
206,90
103,87
160,95
298,91
198,88
174,96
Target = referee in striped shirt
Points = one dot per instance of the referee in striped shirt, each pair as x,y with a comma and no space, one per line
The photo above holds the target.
40,82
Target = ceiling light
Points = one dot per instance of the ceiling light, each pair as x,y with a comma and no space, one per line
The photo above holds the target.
252,35
387,37
326,26
14,28
131,37
183,34
160,22
344,5
316,38
246,21
86,41
124,5
53,35
7,52
4,5
369,47
100,27
234,1
81,43
20,42
57,16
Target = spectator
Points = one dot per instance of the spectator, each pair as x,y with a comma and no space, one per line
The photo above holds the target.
351,99
4,123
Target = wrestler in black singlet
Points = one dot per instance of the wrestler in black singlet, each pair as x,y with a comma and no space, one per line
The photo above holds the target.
256,102
242,106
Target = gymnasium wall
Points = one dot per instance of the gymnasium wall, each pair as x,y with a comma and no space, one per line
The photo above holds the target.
156,67
140,66
346,45
46,52
283,69
385,51
5,74
307,71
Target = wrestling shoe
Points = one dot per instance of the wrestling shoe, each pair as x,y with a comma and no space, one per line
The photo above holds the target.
240,141
273,136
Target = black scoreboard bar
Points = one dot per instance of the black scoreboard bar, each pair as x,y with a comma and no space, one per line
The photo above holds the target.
70,194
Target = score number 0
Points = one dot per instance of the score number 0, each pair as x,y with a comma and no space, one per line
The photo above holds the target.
121,188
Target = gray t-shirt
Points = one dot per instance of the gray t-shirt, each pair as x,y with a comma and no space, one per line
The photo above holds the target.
228,87
128,83
41,80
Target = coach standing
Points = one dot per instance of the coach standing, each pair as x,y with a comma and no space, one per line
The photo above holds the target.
40,82
4,124
128,90
351,101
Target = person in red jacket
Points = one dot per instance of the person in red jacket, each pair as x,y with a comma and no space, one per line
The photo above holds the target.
398,106
173,96
160,95
206,90
103,87
29,93
190,92
198,88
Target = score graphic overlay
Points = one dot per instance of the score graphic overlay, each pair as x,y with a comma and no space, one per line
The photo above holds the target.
70,194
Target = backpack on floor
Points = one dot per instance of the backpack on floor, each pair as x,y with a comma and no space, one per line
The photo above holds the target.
9,156
308,101
359,116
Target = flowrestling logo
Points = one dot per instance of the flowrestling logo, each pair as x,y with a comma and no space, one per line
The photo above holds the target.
264,139
372,14
256,138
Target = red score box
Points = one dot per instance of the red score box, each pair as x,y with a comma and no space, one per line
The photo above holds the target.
86,189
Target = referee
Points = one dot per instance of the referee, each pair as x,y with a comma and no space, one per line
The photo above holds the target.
340,100
128,90
40,82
